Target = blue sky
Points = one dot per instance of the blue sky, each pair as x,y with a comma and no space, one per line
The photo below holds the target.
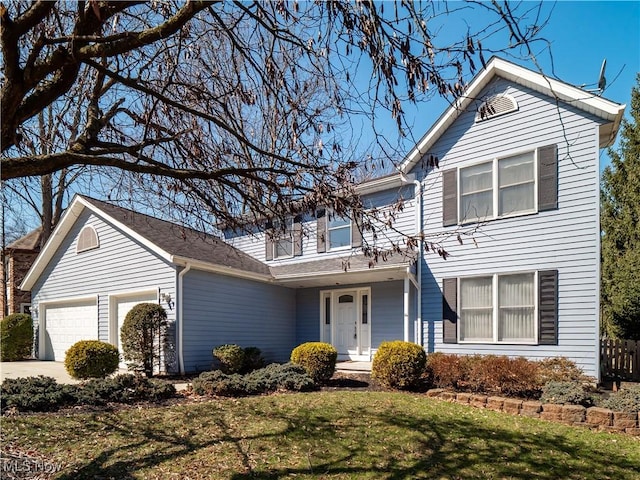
581,36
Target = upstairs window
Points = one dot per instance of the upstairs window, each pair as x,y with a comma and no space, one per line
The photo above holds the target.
87,240
283,242
338,231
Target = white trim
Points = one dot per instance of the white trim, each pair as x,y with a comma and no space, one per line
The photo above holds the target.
334,294
42,318
221,269
380,184
598,106
597,262
113,297
180,318
496,307
294,277
23,306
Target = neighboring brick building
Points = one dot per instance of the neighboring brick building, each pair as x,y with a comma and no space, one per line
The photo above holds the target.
18,258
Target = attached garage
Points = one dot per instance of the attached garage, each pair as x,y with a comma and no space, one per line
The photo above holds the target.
64,323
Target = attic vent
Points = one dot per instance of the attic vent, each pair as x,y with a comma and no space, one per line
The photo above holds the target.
87,240
496,106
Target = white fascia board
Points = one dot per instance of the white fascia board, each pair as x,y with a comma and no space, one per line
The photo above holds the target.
221,269
379,184
588,102
319,275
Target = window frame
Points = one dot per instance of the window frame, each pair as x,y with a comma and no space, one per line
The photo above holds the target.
329,229
495,316
495,188
288,231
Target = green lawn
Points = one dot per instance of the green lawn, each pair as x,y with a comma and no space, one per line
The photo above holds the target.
321,435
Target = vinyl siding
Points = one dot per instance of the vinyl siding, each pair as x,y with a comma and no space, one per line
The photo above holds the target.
254,243
219,309
565,239
119,265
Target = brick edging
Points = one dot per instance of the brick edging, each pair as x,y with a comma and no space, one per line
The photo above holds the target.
595,418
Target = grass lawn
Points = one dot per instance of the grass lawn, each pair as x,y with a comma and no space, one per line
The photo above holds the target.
341,434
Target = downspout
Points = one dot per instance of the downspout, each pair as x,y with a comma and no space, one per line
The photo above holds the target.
181,317
418,233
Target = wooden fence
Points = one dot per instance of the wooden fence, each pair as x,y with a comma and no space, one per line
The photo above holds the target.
620,359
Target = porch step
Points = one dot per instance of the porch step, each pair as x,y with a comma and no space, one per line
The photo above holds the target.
353,367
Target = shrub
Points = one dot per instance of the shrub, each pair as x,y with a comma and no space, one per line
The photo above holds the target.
566,393
398,364
252,360
143,337
35,394
503,375
231,358
317,358
271,378
448,370
560,369
124,388
91,359
16,337
625,400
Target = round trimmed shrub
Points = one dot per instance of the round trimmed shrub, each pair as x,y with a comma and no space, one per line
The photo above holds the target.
16,332
230,356
398,364
144,338
252,360
317,358
91,359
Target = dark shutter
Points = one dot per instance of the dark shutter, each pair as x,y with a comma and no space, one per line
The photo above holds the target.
548,307
449,197
547,178
297,237
356,231
449,310
268,244
321,230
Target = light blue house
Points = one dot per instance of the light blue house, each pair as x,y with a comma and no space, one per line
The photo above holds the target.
517,181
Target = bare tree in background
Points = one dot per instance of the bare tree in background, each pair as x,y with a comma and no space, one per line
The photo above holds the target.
222,109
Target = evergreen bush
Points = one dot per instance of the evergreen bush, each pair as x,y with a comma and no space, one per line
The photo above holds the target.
317,358
91,359
144,337
231,358
624,400
398,364
16,337
570,393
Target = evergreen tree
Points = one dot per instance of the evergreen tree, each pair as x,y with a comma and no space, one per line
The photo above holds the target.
620,224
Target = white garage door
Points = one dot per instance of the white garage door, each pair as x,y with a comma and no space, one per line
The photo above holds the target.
67,323
122,305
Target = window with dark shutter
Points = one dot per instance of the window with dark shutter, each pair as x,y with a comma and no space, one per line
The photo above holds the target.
450,310
547,178
548,307
297,237
449,197
356,232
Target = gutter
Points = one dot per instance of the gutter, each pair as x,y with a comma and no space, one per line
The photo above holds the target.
418,220
181,317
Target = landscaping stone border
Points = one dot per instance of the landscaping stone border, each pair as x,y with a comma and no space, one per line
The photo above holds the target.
594,418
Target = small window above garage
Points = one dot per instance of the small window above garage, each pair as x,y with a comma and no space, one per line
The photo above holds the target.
87,240
495,106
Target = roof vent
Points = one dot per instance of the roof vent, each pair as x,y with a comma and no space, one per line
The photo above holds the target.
496,106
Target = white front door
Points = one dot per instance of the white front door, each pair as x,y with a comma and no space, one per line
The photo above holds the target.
346,334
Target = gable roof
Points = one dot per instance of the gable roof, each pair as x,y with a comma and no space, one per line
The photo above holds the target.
607,110
174,243
29,243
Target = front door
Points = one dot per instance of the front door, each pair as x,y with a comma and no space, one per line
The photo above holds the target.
346,334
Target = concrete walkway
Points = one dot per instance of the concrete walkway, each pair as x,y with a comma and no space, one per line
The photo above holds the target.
353,367
33,368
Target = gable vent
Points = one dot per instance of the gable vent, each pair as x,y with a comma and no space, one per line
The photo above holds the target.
496,106
87,240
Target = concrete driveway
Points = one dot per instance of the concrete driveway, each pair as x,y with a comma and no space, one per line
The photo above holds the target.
33,368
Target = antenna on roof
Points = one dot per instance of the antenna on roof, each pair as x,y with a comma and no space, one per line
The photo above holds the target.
602,80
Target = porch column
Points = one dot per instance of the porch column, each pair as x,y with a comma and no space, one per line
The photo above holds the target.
406,308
